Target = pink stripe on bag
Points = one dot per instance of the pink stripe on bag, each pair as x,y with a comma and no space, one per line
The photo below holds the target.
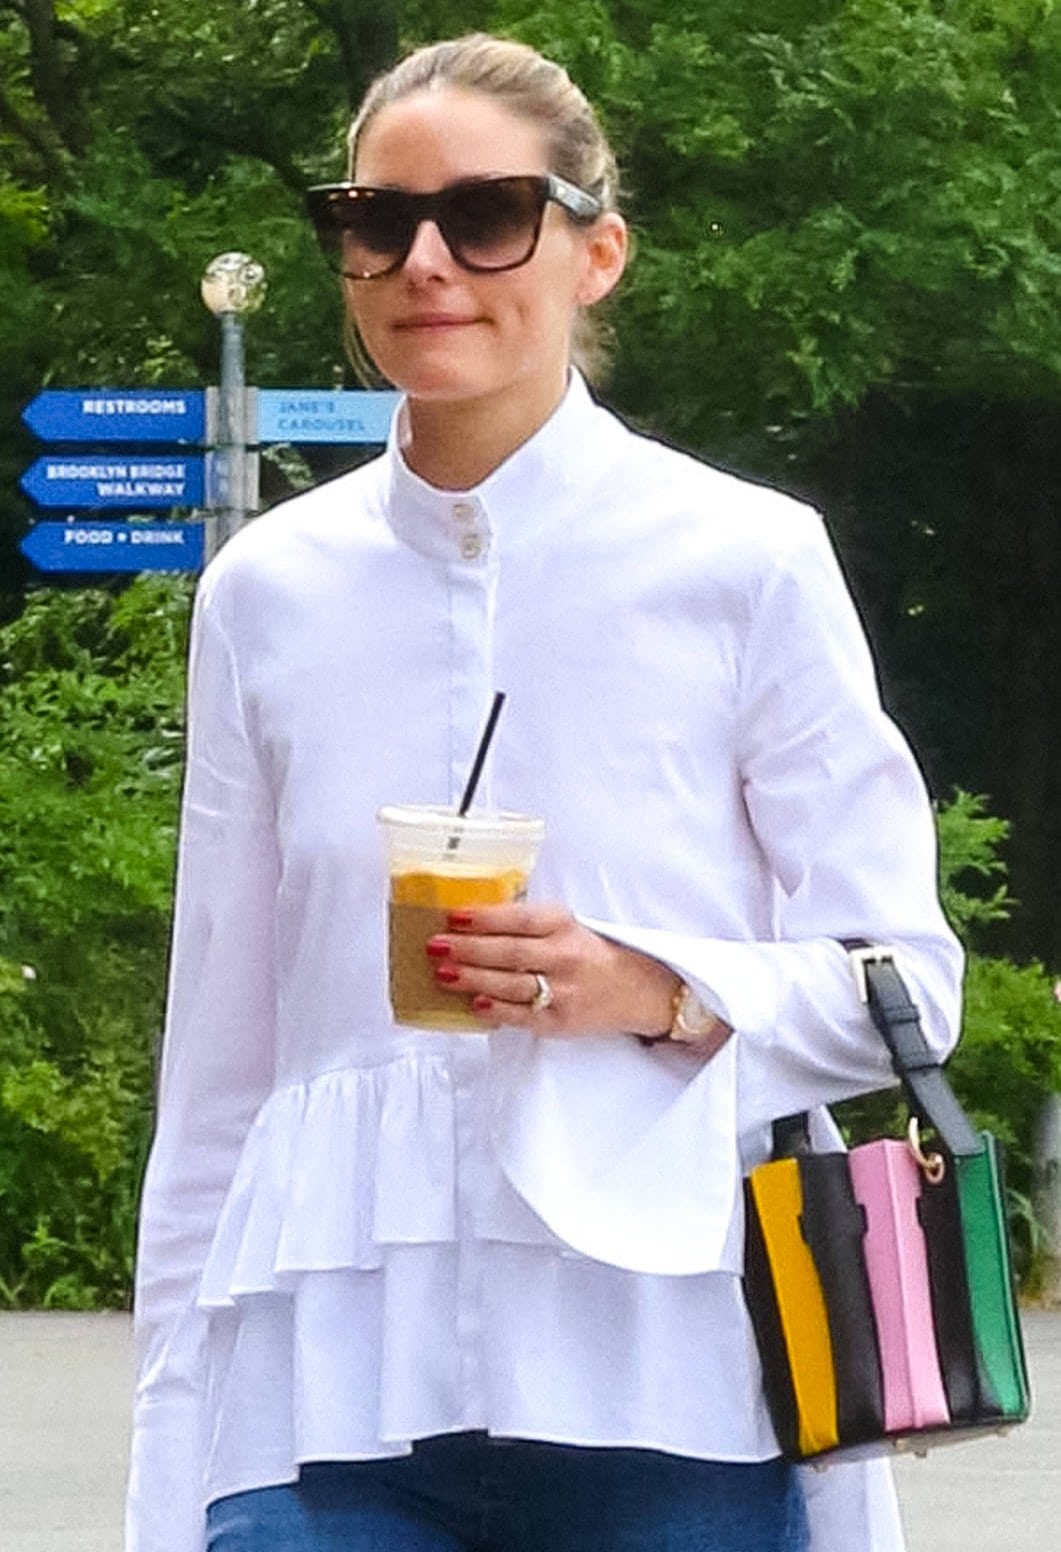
887,1182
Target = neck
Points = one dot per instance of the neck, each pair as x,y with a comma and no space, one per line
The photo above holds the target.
454,445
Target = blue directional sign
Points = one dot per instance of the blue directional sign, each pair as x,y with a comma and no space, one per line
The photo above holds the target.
117,546
317,415
117,415
88,480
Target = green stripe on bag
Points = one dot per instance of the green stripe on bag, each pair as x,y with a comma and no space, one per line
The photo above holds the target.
981,1200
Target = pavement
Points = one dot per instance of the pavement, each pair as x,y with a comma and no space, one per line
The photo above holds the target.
1000,1494
65,1381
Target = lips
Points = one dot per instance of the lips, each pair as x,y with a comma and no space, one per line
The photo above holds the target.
433,321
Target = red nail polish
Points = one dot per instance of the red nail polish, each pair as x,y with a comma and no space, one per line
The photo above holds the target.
483,1004
434,948
447,974
460,918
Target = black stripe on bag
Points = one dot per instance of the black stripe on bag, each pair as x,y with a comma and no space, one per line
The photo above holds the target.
834,1228
761,1299
970,1397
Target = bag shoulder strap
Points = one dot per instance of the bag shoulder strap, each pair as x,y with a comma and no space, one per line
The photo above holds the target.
896,1018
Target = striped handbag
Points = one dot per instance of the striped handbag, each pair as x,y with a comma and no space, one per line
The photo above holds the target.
879,1281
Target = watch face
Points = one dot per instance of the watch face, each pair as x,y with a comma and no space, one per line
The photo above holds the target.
693,1018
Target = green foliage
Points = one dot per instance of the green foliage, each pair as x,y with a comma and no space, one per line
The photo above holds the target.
969,839
808,182
90,753
1010,1055
829,202
1010,1052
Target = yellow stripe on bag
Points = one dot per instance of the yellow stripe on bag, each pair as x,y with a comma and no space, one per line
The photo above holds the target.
779,1202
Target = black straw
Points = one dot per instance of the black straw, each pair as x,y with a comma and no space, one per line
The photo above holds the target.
477,765
481,754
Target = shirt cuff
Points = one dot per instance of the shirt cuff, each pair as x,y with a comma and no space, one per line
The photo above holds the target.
804,1038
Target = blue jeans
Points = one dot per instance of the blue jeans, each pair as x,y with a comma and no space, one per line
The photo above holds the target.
469,1493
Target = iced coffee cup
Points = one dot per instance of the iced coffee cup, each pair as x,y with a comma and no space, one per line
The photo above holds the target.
440,863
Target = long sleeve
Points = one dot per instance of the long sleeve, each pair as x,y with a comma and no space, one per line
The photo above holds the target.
838,808
217,1067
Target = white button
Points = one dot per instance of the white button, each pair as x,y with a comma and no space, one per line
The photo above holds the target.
464,511
471,546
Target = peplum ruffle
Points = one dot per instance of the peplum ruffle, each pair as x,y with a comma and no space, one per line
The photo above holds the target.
376,1277
587,1148
334,1171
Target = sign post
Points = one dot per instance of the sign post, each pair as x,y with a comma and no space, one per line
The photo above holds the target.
231,419
232,286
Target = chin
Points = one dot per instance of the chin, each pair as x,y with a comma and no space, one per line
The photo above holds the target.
438,384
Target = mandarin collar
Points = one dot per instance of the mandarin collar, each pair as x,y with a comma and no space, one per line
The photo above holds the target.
463,527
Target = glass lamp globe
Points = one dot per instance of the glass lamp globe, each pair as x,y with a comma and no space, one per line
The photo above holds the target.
233,283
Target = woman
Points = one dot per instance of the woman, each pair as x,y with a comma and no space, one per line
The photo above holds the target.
410,1290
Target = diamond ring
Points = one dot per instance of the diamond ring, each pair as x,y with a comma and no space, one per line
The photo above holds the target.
543,997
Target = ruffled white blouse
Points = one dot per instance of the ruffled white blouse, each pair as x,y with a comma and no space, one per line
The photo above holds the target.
353,1234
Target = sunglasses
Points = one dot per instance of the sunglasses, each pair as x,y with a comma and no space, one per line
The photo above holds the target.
488,224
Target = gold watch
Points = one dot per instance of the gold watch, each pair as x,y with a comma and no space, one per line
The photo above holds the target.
692,1021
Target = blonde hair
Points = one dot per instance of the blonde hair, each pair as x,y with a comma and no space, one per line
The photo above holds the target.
532,87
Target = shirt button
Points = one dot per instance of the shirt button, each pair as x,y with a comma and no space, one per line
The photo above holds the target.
464,511
471,547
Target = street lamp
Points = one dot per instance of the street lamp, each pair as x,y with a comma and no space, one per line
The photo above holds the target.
233,285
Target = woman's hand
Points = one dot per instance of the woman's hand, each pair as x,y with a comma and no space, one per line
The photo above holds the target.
495,954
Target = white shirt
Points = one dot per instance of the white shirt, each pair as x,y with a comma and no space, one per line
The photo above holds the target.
354,1234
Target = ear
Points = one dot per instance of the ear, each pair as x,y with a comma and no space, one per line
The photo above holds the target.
606,245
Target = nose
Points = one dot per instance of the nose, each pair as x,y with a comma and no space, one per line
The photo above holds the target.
428,253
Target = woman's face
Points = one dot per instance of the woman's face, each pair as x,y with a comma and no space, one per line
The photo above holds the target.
446,334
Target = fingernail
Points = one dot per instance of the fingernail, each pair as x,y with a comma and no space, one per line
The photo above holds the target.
436,948
483,1004
460,918
447,974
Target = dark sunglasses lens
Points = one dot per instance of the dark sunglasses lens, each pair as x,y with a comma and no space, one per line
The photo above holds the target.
365,231
494,224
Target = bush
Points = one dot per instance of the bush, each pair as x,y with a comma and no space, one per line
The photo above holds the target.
1010,1051
91,715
